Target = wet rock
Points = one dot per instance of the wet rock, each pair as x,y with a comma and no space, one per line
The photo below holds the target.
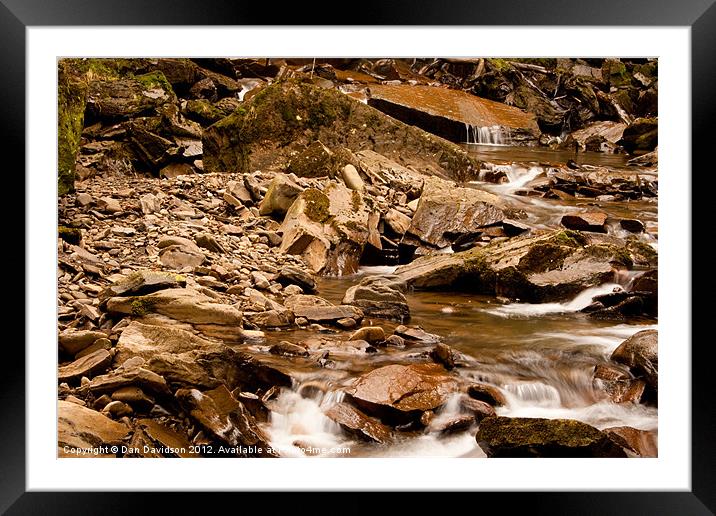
84,428
352,178
632,225
288,349
295,276
640,354
85,366
357,423
171,443
402,393
618,383
417,334
281,194
640,442
342,121
536,437
452,425
487,393
325,314
182,304
224,418
446,112
128,97
479,409
443,354
371,334
74,341
445,209
586,221
539,267
378,297
396,341
142,282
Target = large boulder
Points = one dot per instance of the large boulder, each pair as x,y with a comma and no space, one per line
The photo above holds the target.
551,265
535,437
401,393
380,297
641,136
446,210
640,354
299,113
81,428
329,229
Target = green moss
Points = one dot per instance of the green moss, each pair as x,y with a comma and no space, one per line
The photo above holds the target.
501,65
569,238
155,79
317,205
203,111
70,235
71,94
142,306
610,252
544,256
642,252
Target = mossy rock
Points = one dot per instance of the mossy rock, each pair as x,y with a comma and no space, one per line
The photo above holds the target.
536,437
641,136
317,205
71,95
267,129
615,73
203,111
70,235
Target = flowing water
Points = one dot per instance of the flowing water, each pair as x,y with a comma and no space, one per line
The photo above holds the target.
541,356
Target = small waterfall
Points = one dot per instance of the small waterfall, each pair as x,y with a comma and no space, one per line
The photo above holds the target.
582,300
488,135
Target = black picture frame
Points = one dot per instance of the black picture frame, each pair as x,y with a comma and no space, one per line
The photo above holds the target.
699,15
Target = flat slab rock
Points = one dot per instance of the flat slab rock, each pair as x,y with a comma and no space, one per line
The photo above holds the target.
536,437
85,366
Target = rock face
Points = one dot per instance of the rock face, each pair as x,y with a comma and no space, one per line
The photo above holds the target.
399,392
640,354
446,112
329,229
288,111
554,265
83,428
444,209
536,437
378,297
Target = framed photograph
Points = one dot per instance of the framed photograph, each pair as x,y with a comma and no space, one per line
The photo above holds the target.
418,252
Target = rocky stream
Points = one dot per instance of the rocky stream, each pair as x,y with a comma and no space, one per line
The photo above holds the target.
357,258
